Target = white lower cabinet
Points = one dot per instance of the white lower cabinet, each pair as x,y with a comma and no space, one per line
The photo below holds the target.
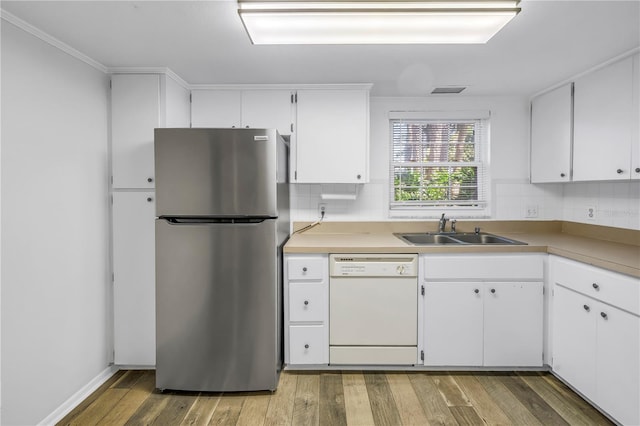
134,278
307,344
483,310
595,342
306,310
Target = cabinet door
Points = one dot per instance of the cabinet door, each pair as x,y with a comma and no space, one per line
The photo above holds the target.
453,324
267,109
135,112
513,324
551,136
603,123
134,278
216,108
332,136
574,339
618,370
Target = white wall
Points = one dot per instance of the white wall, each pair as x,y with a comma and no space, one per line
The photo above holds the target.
509,163
55,244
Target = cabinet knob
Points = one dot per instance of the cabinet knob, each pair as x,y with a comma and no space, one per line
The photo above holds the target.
637,169
562,175
493,290
304,269
306,346
596,286
306,302
586,308
476,291
149,199
359,176
603,315
246,127
149,180
619,171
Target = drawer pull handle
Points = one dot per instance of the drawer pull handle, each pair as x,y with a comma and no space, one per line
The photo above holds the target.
306,302
149,199
586,308
306,346
562,175
619,171
149,180
493,290
603,315
476,291
596,286
304,269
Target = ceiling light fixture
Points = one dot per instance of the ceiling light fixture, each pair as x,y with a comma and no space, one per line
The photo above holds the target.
374,22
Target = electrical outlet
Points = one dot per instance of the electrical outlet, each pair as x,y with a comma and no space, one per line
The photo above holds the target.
322,209
591,213
532,210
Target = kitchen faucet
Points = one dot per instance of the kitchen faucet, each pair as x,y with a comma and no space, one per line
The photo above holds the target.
442,223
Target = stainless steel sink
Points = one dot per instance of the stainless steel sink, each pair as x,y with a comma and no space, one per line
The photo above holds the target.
427,239
482,238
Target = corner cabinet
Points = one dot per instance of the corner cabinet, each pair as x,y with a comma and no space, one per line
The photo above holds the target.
306,310
603,123
483,310
551,115
589,130
596,335
331,136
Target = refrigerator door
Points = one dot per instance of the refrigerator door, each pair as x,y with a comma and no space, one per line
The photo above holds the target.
218,291
218,172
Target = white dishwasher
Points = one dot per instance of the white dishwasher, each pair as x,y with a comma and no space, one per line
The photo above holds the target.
373,309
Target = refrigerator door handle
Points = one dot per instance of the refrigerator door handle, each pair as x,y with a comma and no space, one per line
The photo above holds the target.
194,220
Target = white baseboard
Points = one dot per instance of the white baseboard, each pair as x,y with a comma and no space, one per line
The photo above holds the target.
75,399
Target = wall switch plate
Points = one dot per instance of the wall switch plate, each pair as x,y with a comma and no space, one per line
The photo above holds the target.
322,208
532,211
591,213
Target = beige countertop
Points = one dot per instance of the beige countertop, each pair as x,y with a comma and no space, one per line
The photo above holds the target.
614,249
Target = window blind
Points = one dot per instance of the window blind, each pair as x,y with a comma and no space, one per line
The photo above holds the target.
437,162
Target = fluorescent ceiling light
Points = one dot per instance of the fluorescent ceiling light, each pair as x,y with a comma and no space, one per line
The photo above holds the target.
374,22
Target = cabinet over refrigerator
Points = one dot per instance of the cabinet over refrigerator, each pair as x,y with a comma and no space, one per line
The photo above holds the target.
222,220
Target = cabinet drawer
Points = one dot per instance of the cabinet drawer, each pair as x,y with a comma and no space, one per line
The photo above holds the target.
306,268
307,302
307,344
610,287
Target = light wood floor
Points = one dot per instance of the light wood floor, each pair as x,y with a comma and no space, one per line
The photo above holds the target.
348,398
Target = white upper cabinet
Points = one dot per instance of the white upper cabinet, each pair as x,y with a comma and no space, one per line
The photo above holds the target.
216,108
139,104
603,123
268,109
551,136
135,103
635,120
332,136
259,108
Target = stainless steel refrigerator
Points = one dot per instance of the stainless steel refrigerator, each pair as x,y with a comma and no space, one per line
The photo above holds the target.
222,198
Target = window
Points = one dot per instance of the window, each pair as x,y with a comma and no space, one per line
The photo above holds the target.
437,163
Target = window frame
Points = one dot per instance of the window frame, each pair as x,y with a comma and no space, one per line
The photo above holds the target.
481,209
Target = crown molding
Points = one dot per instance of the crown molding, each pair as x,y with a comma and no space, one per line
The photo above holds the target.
27,27
150,70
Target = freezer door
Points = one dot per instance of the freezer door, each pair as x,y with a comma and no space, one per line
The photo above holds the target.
218,172
218,308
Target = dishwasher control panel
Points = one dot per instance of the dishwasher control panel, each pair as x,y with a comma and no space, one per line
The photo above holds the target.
373,265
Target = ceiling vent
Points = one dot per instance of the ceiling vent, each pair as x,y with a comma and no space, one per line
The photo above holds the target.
445,90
